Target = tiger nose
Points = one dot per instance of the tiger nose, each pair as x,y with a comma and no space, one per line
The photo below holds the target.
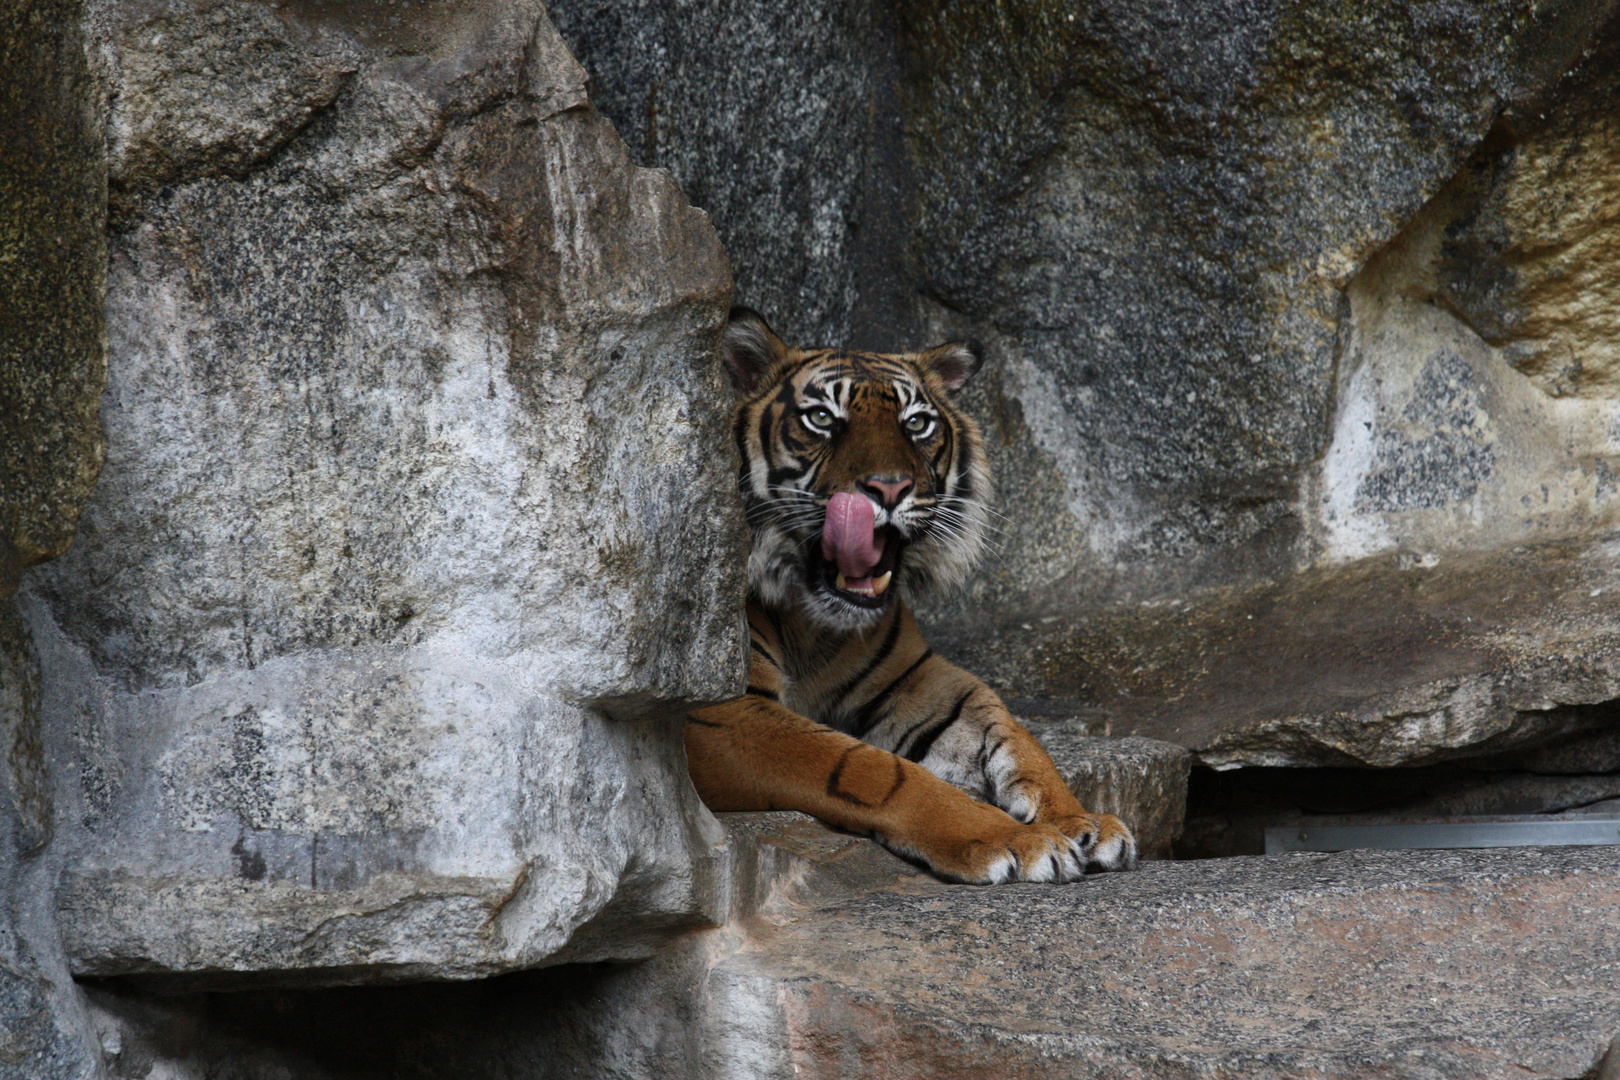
888,488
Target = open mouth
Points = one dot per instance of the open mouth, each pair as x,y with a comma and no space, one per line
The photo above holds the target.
857,559
870,590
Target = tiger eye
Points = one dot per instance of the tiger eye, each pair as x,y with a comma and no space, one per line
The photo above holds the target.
917,423
819,418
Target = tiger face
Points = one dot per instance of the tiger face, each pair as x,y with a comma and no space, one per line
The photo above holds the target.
859,476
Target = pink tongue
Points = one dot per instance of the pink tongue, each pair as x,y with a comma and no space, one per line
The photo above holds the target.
848,539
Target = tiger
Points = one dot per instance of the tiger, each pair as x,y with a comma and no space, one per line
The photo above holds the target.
862,484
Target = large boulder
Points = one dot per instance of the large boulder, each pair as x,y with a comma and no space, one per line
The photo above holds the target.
369,659
1388,661
1481,965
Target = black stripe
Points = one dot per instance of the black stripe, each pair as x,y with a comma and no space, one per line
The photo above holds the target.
946,445
867,718
899,781
964,472
777,477
913,729
760,691
986,754
925,741
837,774
882,654
755,645
776,627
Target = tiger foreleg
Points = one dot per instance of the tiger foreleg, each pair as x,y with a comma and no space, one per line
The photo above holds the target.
975,743
754,754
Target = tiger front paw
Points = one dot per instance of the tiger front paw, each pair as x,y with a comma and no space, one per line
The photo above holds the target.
1000,852
1105,840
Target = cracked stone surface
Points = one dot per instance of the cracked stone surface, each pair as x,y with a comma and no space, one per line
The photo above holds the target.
1484,965
368,657
53,351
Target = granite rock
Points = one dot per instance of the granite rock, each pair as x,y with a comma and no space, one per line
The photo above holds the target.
53,254
1388,661
1528,261
1213,284
53,216
368,659
776,119
1403,965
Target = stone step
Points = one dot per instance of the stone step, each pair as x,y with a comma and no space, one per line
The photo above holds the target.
1396,964
1391,661
841,961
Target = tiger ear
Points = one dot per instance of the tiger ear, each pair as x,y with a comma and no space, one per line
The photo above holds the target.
955,362
749,349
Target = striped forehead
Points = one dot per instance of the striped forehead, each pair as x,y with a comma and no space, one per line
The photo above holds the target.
846,380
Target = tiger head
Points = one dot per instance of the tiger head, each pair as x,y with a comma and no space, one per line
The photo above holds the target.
858,474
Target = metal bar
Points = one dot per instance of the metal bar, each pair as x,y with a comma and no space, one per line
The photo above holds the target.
1535,832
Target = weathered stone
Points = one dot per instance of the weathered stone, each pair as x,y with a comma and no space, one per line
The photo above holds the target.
44,1031
1142,781
1439,444
1596,751
1530,260
53,211
1165,279
781,122
1149,214
1481,965
368,659
1389,661
53,255
175,125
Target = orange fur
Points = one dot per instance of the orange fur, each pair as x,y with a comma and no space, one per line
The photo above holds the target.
849,715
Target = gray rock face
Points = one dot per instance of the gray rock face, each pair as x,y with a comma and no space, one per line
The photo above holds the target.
367,660
1168,272
1477,965
764,114
52,365
1390,661
1150,215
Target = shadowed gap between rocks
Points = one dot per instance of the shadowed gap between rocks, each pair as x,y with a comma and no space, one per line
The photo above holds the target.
1229,811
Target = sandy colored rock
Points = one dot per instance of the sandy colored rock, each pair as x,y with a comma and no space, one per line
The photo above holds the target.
1530,261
